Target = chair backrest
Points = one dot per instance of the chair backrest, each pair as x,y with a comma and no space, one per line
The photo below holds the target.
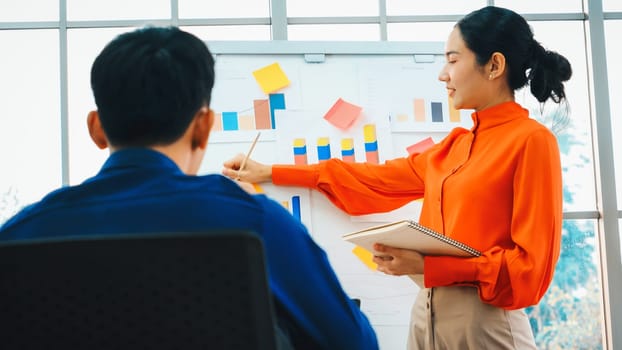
147,291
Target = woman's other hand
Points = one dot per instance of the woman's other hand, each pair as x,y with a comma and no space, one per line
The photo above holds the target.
397,261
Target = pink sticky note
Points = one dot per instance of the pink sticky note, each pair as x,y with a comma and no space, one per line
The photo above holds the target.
420,146
342,114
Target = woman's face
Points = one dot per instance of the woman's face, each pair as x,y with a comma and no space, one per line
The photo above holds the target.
465,80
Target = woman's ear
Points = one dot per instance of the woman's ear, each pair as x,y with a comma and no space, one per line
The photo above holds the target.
96,131
496,65
204,120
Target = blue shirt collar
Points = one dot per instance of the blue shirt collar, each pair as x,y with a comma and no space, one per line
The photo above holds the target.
139,158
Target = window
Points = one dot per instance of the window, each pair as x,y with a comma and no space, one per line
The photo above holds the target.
246,32
612,5
80,10
228,9
333,32
437,7
574,133
424,31
330,8
613,31
569,316
29,10
30,122
83,45
539,6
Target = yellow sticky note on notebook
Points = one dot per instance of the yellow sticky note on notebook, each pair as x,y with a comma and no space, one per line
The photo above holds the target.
365,256
271,78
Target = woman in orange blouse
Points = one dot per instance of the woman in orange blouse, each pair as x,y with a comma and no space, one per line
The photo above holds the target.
496,187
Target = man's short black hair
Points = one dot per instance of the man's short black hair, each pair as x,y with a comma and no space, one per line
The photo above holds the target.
148,85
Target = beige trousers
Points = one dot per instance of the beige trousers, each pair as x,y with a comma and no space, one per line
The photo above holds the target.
454,318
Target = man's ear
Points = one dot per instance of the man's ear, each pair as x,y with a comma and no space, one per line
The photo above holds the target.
96,131
203,122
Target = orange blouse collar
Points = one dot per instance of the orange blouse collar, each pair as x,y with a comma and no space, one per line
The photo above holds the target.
496,115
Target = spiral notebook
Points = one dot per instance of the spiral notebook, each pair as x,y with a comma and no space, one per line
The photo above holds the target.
410,234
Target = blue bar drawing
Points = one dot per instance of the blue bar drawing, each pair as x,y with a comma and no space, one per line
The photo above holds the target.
300,150
371,146
296,207
277,101
347,152
230,121
437,112
323,152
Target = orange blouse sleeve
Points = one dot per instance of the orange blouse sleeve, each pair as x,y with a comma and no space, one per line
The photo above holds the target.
356,188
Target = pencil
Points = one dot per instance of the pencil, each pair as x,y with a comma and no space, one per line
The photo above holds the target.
248,154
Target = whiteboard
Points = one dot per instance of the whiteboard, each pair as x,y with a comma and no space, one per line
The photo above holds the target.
397,88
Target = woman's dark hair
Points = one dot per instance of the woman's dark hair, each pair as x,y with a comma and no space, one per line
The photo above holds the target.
149,84
494,29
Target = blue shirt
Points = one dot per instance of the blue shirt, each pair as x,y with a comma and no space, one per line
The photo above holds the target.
142,191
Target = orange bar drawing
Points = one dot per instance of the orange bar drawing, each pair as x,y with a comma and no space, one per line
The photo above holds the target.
246,122
262,114
454,114
217,122
300,151
419,106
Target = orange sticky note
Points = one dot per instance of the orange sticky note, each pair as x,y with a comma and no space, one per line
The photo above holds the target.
271,78
365,256
420,146
342,114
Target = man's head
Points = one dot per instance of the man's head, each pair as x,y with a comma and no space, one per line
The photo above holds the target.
149,85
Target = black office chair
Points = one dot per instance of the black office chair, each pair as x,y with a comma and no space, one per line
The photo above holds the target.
156,291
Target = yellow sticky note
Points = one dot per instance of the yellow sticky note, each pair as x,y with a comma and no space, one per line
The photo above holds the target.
365,256
258,188
271,78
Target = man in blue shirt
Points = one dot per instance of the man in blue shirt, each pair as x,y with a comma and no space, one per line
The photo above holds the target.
152,88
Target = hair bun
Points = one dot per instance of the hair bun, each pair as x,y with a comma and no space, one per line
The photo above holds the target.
559,64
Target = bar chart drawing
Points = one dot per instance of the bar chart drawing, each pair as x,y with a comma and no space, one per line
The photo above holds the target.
293,205
413,107
366,141
305,137
323,149
300,151
371,143
259,117
429,115
295,200
347,150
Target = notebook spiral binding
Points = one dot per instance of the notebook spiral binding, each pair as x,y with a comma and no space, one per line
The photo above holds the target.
466,248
